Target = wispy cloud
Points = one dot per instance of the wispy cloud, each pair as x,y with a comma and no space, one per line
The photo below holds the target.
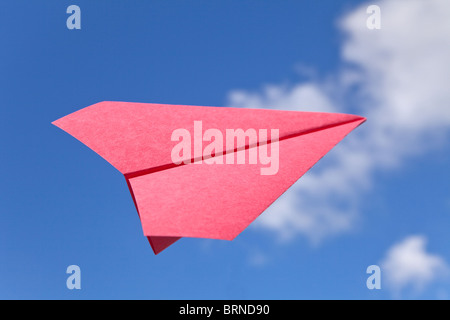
409,264
398,78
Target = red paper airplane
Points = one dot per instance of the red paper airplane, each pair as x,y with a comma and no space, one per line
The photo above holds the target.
205,172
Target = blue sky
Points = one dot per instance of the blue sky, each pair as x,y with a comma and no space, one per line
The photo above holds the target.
61,204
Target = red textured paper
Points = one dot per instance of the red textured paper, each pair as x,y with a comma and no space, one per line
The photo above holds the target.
201,200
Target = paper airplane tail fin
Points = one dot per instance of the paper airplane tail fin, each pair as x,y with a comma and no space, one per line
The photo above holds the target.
157,243
160,243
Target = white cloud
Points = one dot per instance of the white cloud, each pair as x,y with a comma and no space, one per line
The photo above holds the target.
283,97
398,77
408,264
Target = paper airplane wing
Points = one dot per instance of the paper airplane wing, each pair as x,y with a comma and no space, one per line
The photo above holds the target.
201,200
